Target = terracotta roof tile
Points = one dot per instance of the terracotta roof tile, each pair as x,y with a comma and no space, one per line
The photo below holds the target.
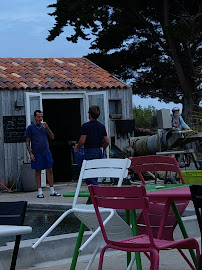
50,73
30,84
15,64
16,75
2,85
3,75
24,85
44,85
3,68
9,85
17,86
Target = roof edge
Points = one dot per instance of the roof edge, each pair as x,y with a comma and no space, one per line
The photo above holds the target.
107,71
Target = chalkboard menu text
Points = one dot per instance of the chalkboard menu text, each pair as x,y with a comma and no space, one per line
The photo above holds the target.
14,128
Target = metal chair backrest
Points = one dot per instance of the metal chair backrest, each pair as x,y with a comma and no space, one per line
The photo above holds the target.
155,212
157,207
133,197
114,168
149,163
13,213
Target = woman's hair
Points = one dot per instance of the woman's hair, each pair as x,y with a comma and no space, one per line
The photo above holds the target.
94,111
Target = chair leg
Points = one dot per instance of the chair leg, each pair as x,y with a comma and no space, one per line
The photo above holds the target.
77,246
15,252
52,228
186,259
131,263
154,265
93,257
102,257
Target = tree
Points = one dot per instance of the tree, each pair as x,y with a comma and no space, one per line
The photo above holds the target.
145,117
154,44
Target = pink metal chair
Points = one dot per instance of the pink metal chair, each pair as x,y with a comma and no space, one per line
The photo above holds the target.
159,208
151,163
161,216
134,198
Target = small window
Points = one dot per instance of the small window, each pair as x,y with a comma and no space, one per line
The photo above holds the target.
115,107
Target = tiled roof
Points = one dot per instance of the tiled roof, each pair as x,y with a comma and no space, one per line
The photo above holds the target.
54,73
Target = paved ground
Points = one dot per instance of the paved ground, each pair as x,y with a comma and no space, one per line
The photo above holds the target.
113,260
116,260
31,197
48,201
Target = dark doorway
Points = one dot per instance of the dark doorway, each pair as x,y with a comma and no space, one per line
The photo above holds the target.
64,119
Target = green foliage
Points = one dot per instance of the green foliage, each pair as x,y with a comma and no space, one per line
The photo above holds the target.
154,44
197,119
145,117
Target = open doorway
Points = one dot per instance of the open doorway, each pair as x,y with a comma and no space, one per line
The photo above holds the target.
64,118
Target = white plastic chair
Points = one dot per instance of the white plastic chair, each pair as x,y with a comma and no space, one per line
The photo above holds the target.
115,225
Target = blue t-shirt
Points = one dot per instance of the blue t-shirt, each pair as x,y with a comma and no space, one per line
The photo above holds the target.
39,138
95,132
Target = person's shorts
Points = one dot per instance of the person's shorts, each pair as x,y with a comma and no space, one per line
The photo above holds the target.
42,161
93,153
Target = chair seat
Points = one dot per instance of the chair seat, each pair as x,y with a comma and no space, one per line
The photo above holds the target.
144,242
117,228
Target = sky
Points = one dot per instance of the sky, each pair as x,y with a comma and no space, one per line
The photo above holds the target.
24,26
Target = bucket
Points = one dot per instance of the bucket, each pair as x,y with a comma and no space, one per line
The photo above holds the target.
28,177
192,176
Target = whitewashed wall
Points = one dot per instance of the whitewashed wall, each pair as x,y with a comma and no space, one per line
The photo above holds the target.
125,95
11,154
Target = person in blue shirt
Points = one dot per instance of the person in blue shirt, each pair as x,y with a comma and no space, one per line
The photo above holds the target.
38,147
177,121
94,138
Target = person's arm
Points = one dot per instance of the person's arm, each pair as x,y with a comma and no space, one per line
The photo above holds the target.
50,133
106,143
183,124
80,143
29,149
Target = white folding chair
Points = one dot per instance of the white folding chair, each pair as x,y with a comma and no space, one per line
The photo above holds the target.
113,168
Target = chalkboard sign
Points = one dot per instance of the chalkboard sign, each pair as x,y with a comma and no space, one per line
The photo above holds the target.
14,128
125,126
